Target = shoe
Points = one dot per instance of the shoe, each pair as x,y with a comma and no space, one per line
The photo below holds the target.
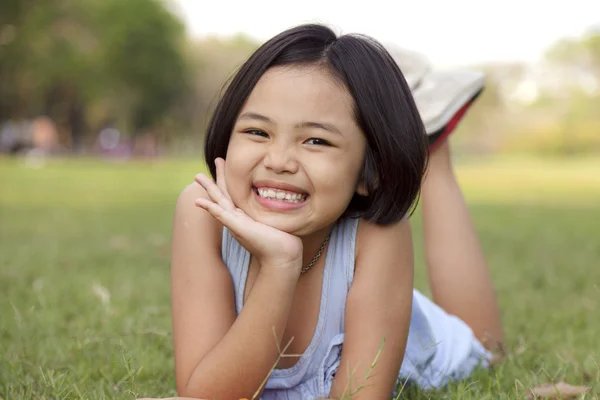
442,97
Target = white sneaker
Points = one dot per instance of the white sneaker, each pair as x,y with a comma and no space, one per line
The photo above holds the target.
442,97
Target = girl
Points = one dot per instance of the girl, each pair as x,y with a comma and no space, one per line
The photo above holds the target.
302,245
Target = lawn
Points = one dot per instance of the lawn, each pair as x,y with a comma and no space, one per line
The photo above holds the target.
84,276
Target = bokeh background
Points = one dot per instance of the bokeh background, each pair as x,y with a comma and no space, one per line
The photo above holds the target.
103,105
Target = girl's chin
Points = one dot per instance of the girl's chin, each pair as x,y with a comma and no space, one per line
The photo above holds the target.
292,224
280,223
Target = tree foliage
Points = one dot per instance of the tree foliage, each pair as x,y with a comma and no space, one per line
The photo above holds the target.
65,57
582,54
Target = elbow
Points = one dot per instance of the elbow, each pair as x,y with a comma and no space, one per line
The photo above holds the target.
185,392
183,389
205,385
206,392
186,387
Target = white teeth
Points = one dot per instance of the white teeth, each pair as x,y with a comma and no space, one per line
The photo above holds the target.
280,195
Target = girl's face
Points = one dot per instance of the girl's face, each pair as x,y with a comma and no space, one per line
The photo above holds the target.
296,152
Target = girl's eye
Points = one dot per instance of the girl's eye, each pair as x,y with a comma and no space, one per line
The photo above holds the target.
256,132
319,142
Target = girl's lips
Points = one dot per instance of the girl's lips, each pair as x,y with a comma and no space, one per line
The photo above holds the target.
279,185
276,204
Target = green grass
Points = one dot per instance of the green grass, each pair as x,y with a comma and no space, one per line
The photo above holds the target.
84,276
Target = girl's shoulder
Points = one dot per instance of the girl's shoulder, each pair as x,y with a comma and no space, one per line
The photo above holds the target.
197,223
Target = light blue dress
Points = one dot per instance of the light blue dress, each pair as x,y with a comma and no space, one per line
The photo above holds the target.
440,347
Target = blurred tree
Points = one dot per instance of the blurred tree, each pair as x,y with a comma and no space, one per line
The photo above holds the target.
12,16
215,59
59,57
582,53
141,53
46,67
578,61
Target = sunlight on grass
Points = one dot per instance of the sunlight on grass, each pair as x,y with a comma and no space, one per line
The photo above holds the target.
529,180
497,180
85,250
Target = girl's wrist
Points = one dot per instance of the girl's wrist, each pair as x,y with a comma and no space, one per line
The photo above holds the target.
281,269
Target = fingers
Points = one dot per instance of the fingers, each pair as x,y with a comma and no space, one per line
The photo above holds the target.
236,220
214,192
221,183
213,208
219,204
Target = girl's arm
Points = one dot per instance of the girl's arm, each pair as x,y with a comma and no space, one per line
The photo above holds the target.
217,355
378,307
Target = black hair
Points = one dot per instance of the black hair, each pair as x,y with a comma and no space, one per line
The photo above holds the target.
385,111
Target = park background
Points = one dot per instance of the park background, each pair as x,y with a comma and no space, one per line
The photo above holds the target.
103,105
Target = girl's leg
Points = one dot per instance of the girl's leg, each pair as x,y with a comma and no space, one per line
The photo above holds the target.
458,275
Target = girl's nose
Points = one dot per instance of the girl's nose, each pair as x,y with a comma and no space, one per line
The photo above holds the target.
281,159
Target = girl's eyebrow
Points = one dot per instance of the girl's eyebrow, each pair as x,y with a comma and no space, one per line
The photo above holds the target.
253,115
308,124
319,125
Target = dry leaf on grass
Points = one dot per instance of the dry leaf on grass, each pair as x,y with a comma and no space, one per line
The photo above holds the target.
559,390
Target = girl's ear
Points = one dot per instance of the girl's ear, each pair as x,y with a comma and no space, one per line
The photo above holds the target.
368,174
361,188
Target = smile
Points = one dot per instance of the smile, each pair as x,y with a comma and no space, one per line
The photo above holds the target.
278,196
282,195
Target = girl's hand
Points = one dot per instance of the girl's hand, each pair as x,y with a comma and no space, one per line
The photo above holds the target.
271,246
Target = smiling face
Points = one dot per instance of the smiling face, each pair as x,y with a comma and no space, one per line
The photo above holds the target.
296,151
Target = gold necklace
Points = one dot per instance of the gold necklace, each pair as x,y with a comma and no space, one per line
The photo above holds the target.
316,257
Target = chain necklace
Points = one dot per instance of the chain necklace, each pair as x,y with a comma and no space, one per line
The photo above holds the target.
316,257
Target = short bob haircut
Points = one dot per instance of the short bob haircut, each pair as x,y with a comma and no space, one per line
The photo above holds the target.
385,111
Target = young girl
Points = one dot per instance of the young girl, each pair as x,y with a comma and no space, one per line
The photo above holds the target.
302,242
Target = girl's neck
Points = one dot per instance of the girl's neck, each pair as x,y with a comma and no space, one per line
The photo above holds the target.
313,242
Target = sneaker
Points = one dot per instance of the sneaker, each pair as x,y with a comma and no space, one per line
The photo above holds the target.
442,97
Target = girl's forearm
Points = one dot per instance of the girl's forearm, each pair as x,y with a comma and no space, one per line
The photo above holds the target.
236,367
